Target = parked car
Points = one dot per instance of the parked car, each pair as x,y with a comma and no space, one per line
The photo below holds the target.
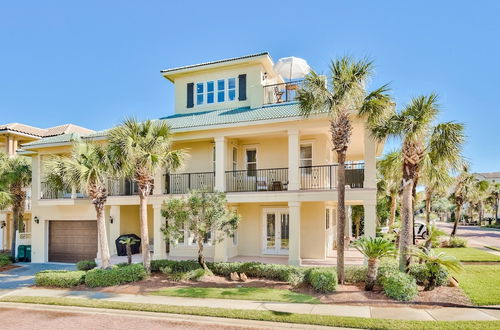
420,229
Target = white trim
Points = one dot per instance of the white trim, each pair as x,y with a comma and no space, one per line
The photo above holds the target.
278,211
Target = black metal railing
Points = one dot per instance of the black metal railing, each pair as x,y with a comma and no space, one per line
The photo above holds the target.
281,93
182,183
124,187
48,192
271,179
326,176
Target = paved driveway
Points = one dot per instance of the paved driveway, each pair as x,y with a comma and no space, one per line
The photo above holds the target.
477,236
25,274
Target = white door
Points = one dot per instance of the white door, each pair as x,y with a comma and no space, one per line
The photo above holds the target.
331,230
276,224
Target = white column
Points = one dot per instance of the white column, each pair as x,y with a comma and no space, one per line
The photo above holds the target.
114,228
294,234
370,146
160,247
348,223
293,159
220,250
220,163
370,218
159,188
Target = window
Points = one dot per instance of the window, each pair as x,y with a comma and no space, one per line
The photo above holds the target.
251,155
235,159
210,92
199,93
213,158
306,158
231,89
221,90
327,218
181,239
235,238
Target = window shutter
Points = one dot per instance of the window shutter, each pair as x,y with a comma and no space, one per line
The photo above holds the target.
242,82
190,95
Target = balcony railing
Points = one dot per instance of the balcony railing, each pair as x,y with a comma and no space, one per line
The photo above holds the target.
48,192
182,183
123,187
272,179
281,93
326,176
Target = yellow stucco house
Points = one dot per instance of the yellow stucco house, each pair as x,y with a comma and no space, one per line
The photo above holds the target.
244,135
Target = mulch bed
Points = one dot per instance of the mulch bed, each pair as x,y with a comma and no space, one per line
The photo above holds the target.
8,267
349,294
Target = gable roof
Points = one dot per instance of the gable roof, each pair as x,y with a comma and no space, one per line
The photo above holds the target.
489,175
44,132
203,120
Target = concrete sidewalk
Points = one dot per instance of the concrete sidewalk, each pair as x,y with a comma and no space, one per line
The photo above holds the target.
398,313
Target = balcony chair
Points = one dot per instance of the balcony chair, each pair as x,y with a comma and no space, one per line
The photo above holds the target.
261,184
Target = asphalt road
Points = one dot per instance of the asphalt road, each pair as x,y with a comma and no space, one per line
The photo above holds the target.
477,236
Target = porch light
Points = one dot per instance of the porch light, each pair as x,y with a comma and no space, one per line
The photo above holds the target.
37,221
3,224
110,219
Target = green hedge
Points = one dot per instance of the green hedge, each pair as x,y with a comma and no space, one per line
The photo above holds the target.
86,265
400,286
176,266
421,273
115,276
322,279
454,242
5,260
59,278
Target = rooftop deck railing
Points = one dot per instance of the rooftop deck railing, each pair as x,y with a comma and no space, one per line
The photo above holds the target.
282,92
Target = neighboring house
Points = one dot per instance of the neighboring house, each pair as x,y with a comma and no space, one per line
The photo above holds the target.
242,129
492,178
12,136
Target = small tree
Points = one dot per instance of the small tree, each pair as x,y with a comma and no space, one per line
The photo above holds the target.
202,214
433,262
128,242
374,248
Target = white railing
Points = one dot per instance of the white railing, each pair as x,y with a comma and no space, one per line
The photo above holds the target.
22,239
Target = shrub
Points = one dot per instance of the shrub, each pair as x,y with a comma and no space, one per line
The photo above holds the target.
421,274
177,266
115,276
86,265
355,274
5,260
198,274
59,278
454,242
322,279
386,269
400,286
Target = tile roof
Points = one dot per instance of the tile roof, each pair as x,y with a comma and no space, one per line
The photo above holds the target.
214,62
489,175
203,120
45,132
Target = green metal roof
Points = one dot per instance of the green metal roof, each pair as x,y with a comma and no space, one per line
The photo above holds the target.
203,120
214,62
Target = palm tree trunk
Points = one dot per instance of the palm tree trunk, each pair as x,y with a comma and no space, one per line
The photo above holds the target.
341,215
496,210
428,196
15,227
457,218
102,235
392,216
129,253
371,275
143,215
406,235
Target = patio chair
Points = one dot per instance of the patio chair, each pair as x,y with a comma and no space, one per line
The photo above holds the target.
278,94
261,184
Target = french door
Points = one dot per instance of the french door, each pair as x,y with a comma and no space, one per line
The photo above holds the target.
276,224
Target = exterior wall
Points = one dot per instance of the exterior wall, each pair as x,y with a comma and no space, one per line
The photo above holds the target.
312,230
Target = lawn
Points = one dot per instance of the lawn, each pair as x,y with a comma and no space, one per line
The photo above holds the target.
470,254
324,320
481,283
259,294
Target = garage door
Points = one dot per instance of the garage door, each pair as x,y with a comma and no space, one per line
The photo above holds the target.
72,241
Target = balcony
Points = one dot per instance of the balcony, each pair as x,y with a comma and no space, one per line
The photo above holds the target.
272,179
182,183
124,187
282,92
47,192
324,177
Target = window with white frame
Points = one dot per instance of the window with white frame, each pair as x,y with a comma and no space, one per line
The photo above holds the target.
327,218
200,95
306,157
231,89
213,158
221,90
210,92
251,159
235,238
235,158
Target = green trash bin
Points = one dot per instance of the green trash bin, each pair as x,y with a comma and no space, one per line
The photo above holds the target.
28,253
21,252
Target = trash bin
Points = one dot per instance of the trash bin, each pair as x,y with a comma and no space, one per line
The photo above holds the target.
21,253
121,249
28,253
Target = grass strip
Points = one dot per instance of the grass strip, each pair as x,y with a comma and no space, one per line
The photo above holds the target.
470,254
492,247
323,320
481,283
258,294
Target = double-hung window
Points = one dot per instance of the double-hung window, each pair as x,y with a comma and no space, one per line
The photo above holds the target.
251,155
235,159
210,92
200,93
221,90
231,89
306,158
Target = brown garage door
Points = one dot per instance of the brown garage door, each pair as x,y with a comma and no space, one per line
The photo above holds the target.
72,241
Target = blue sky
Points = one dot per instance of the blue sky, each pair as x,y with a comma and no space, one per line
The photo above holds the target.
95,62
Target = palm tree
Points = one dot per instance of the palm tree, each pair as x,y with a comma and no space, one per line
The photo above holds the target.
434,261
495,195
357,214
15,178
421,140
374,248
464,186
86,169
389,169
343,98
139,150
